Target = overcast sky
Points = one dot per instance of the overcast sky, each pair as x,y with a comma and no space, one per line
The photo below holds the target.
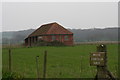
26,15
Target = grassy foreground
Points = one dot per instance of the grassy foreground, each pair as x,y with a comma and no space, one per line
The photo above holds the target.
62,62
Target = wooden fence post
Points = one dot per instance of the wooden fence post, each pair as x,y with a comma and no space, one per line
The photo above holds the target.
38,74
10,61
81,64
44,66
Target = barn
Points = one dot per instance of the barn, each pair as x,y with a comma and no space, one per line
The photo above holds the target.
50,32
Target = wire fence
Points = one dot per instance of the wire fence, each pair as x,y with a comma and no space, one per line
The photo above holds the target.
81,70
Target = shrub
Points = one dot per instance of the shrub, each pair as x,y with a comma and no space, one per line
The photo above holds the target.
11,76
45,43
40,43
55,43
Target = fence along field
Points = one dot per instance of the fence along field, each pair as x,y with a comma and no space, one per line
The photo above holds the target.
62,62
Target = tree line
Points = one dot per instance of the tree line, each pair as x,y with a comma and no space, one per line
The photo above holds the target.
80,35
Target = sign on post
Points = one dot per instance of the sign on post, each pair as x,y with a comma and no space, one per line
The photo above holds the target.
97,59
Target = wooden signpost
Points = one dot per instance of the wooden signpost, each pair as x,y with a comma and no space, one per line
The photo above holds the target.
99,59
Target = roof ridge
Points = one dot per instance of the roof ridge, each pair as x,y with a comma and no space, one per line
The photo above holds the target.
50,27
48,24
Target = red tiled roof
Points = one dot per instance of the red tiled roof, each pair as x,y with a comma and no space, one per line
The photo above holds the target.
52,28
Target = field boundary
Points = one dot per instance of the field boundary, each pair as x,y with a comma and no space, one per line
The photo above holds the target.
98,42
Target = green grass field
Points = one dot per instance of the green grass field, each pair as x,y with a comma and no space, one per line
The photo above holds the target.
62,62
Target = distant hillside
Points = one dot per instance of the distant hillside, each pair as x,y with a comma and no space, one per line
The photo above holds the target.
80,35
14,37
86,35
